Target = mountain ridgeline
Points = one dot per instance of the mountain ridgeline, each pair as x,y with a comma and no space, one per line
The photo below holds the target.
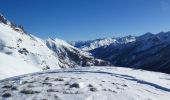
27,51
148,51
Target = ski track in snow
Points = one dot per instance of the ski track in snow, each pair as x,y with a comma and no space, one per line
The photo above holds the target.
91,83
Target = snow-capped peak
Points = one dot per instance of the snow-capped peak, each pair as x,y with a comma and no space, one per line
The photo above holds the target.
62,43
93,44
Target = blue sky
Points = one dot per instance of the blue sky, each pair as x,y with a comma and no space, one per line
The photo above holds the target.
88,19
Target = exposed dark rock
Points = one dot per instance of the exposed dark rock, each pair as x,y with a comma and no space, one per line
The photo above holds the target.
6,95
11,87
93,89
27,91
7,86
23,51
90,85
52,90
45,83
3,19
59,79
47,78
75,85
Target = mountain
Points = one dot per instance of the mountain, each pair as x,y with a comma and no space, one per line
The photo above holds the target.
148,51
92,83
71,56
93,44
30,52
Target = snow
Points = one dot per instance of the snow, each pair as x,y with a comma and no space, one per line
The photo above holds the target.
26,47
90,83
61,43
8,69
93,44
34,52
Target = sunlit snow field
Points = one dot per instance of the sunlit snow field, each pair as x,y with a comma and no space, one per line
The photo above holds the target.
88,83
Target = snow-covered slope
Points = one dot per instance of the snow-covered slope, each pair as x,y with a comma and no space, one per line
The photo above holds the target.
37,53
71,56
10,66
93,44
92,83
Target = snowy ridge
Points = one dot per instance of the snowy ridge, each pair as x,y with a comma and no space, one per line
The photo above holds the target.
93,44
23,46
61,43
71,56
92,83
39,54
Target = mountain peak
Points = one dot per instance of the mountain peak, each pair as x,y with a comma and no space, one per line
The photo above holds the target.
146,36
58,41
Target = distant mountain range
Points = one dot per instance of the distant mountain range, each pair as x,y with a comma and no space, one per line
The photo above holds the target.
93,44
148,51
